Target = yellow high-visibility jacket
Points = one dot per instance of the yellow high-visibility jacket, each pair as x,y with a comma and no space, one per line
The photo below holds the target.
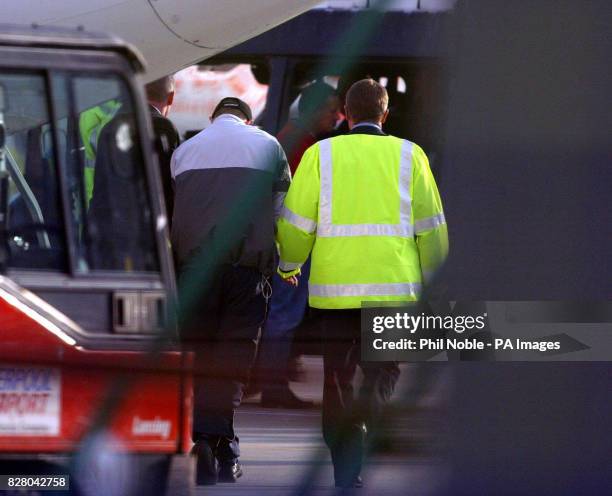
367,207
91,123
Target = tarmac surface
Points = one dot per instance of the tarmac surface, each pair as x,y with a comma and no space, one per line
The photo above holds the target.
283,453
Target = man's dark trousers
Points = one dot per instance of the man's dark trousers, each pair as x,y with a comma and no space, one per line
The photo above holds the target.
346,416
224,330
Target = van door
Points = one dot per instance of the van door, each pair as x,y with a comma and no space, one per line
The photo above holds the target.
82,225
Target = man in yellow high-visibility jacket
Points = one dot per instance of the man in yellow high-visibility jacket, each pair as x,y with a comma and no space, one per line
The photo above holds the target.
91,123
366,205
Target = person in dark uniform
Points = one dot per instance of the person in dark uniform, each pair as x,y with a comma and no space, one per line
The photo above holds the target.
160,95
118,232
231,180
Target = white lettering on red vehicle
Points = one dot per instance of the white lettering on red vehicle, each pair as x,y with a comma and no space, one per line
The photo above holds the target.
154,427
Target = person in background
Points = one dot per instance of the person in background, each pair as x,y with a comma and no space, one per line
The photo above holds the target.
118,238
91,124
160,95
346,80
318,112
367,206
230,183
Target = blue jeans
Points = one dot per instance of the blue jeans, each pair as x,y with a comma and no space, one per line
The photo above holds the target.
287,309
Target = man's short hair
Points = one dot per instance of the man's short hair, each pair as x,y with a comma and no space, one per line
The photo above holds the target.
366,100
159,90
314,96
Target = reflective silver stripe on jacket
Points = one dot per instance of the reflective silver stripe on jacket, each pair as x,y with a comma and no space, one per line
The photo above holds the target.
338,290
429,223
288,266
339,230
325,196
298,221
326,228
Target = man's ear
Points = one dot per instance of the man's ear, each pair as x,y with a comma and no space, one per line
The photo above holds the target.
170,99
384,116
347,114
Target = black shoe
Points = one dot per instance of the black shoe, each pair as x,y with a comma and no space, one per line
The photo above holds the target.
206,464
296,370
357,482
286,399
230,472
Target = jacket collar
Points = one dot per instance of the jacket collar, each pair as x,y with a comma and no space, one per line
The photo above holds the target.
228,118
154,110
367,128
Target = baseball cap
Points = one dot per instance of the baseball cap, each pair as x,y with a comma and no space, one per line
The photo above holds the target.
231,102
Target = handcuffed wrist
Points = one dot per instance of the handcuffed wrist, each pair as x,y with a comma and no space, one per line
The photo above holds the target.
288,274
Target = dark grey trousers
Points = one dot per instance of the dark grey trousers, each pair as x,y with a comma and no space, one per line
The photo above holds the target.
347,414
223,330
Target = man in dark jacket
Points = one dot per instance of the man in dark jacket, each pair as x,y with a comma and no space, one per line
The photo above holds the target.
160,95
230,180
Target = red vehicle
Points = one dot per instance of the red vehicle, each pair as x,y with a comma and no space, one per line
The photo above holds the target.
92,383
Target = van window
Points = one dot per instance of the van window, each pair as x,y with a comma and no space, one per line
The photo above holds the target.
31,217
112,220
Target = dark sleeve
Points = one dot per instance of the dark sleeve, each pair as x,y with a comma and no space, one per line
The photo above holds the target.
168,141
283,179
167,132
281,185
